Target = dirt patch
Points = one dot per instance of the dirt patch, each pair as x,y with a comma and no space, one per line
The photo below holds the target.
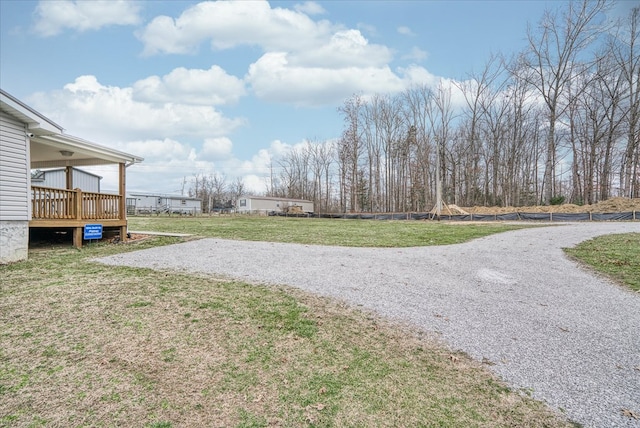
133,237
612,205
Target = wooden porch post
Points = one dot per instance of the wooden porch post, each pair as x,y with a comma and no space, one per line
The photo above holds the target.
68,171
77,231
123,204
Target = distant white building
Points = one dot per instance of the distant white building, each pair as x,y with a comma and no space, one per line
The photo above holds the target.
57,179
157,203
267,204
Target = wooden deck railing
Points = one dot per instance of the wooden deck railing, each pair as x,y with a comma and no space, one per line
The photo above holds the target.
60,204
100,206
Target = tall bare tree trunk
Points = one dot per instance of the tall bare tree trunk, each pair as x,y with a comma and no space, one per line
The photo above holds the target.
551,58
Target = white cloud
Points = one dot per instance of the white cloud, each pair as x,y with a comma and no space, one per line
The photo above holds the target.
416,54
166,177
171,162
344,48
53,17
419,76
274,79
310,8
416,75
158,150
110,113
167,163
405,31
170,166
190,86
254,184
257,171
217,148
229,24
306,62
276,149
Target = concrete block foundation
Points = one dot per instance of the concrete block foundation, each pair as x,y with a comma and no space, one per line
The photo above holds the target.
14,240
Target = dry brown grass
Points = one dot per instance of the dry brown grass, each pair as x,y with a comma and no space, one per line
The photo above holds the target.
82,344
612,205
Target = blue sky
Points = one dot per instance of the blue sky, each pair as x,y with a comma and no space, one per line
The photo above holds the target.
206,87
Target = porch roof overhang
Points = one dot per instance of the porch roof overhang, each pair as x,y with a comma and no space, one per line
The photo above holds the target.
59,150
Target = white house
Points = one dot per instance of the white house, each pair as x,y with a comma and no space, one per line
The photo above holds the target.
57,178
266,204
29,140
156,203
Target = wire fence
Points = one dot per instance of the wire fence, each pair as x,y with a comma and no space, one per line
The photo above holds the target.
516,216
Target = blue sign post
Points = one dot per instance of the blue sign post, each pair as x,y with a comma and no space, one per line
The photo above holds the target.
92,231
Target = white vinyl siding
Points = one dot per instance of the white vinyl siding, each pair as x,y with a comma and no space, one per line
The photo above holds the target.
14,169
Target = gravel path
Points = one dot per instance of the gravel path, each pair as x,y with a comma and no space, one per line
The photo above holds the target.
570,338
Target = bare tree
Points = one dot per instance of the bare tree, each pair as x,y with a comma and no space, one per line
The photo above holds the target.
202,186
349,153
416,104
523,149
479,92
321,159
271,182
237,189
217,191
374,146
393,135
553,53
296,176
627,54
564,120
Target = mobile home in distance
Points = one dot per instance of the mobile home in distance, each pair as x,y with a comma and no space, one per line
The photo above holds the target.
157,203
267,204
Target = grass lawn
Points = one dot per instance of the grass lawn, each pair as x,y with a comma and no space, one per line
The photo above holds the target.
617,256
350,233
83,344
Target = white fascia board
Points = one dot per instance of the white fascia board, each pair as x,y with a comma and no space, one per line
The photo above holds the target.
74,143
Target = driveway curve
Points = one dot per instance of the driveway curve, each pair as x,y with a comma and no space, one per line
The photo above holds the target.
513,300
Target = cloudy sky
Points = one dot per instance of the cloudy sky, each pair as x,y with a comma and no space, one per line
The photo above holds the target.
224,87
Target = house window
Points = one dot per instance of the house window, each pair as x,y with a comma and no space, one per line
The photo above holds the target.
243,202
183,202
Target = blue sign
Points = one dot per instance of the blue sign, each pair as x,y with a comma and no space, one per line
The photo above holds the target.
92,231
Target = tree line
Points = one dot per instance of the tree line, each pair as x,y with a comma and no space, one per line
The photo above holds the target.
557,122
215,191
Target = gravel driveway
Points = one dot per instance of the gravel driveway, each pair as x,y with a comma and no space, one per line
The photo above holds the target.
513,300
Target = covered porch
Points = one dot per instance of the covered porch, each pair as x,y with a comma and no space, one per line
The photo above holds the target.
73,208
